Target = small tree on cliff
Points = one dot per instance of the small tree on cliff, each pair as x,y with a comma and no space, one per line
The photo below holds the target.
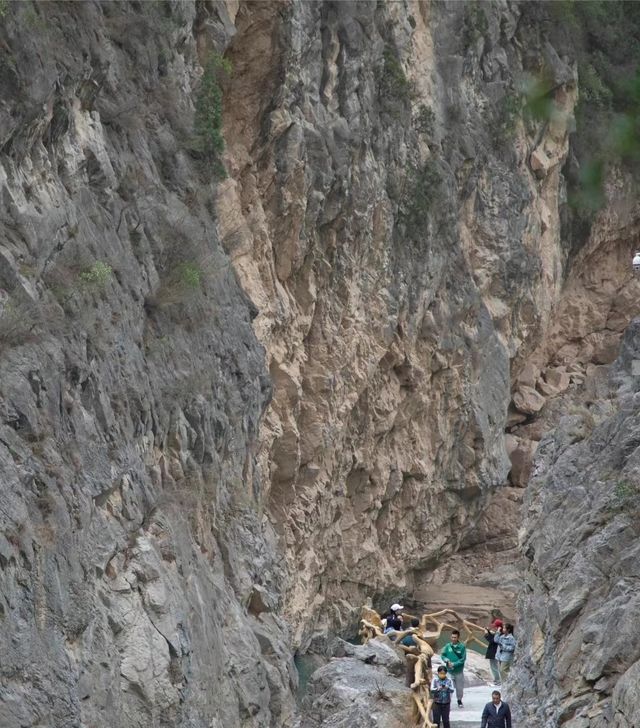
208,139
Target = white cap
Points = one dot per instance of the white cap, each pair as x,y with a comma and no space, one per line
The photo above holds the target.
396,607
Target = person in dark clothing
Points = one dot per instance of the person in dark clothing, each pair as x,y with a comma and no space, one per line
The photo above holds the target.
392,621
490,654
441,690
496,714
407,640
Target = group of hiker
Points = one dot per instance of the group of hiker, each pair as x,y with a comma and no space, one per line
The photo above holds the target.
500,650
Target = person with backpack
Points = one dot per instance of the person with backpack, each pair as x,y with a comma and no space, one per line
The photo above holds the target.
405,639
496,714
454,655
392,621
441,689
506,647
492,648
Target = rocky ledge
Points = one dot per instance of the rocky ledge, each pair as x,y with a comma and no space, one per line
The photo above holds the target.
364,685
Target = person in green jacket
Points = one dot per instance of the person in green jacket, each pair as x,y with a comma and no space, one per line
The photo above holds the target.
454,655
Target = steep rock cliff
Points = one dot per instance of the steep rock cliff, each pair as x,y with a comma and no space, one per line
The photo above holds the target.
385,216
134,561
579,652
276,391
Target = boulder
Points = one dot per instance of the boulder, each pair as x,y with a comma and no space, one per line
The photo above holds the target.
348,691
380,649
540,163
521,457
528,375
555,381
527,400
510,443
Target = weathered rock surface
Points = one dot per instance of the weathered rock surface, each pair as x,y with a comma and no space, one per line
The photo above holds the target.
132,541
363,687
230,402
579,653
389,389
400,251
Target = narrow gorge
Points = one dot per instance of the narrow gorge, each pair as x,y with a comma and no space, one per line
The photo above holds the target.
306,305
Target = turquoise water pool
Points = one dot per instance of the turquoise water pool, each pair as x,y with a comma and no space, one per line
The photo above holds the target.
306,665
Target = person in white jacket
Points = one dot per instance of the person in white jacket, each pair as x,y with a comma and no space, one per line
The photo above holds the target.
506,648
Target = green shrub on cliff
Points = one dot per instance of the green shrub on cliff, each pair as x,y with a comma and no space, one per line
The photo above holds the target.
97,275
190,274
592,88
422,190
507,112
208,140
424,122
603,36
395,89
625,496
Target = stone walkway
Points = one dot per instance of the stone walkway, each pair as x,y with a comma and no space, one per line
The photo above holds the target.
476,695
474,701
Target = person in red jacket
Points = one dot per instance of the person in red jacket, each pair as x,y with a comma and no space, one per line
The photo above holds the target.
492,648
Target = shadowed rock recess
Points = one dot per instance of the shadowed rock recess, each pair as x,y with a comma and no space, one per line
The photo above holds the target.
275,278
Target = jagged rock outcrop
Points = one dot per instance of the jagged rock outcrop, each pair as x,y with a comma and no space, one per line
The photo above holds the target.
384,214
578,649
361,686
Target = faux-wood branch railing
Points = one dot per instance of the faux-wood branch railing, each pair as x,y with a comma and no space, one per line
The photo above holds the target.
426,642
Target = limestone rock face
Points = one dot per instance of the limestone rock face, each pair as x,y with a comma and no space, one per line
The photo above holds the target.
235,405
399,254
581,602
132,543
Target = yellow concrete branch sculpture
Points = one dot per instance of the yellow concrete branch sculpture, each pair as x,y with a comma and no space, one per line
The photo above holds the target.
426,641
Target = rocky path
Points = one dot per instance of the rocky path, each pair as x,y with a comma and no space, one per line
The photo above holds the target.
477,692
475,699
364,685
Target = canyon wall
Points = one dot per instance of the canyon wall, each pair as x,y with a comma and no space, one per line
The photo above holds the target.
134,558
397,226
243,391
580,655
